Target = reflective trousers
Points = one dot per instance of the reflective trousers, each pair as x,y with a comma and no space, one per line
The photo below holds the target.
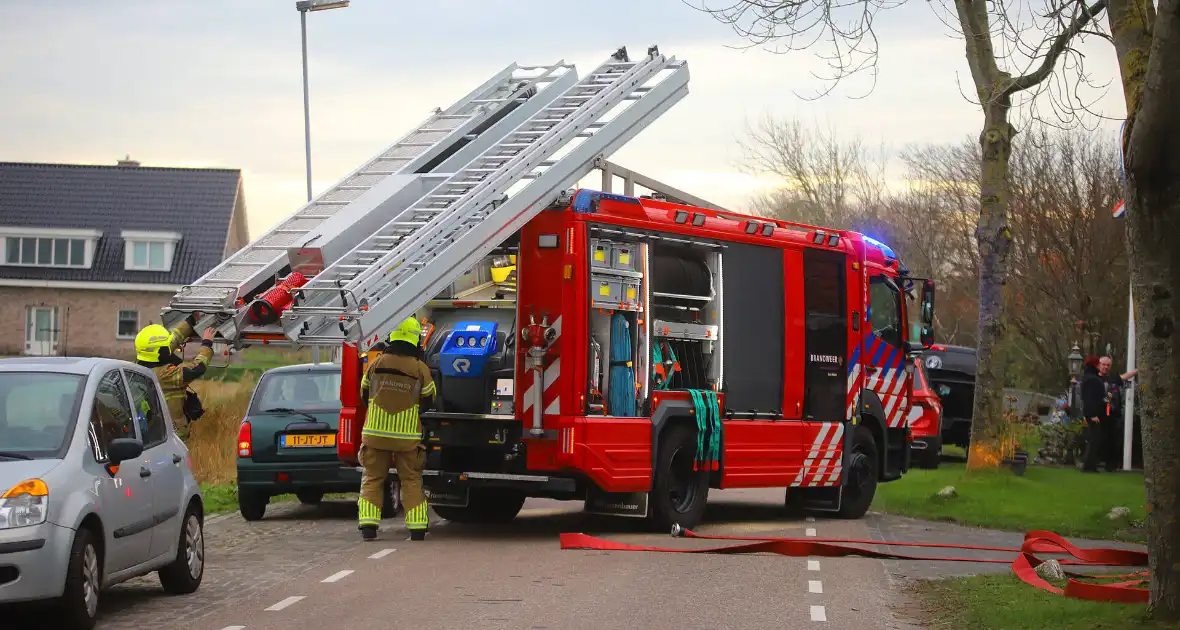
409,461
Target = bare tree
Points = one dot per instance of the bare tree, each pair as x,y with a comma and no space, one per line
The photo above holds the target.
993,33
826,181
1148,48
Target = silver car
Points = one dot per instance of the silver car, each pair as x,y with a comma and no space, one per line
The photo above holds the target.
95,486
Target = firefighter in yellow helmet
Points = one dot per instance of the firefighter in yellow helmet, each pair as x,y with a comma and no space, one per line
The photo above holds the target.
155,348
394,385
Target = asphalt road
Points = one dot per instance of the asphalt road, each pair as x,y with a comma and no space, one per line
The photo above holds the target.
517,576
306,567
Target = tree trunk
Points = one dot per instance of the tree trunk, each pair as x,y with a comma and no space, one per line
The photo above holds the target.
1148,48
992,235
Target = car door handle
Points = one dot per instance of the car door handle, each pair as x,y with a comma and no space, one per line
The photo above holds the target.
144,472
175,458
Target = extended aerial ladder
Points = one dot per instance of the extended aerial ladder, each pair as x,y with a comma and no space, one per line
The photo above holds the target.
394,233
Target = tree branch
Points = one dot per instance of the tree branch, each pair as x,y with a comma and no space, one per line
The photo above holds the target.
1059,46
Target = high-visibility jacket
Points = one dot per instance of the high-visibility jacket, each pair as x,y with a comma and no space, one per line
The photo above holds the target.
394,385
175,379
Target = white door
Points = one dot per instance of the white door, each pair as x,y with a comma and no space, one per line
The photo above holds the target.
41,330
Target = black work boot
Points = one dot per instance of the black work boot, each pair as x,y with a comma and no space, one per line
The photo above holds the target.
368,532
417,534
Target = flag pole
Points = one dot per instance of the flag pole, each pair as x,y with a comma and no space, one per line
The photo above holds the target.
1129,404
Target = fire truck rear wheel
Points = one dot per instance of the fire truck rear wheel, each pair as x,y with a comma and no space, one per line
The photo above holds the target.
485,505
679,493
863,472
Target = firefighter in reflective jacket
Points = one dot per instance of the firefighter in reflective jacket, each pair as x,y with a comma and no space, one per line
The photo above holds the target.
155,348
393,387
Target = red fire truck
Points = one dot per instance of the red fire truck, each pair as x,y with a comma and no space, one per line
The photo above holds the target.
656,350
648,349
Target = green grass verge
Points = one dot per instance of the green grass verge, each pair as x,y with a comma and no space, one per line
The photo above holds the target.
1061,500
1003,602
223,497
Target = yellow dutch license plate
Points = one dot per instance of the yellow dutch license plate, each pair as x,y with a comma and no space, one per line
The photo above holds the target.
309,440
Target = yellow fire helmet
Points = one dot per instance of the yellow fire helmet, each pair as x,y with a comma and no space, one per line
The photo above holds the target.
409,331
149,341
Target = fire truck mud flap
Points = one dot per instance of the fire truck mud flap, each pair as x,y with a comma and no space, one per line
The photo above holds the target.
628,504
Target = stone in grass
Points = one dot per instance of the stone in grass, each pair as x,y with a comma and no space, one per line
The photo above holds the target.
948,492
1117,513
1050,570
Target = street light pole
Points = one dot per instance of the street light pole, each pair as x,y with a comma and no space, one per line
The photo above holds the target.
303,6
306,103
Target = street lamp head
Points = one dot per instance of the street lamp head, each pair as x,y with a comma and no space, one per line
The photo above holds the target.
1075,359
320,5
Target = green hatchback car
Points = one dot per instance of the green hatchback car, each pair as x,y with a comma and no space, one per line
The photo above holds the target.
287,441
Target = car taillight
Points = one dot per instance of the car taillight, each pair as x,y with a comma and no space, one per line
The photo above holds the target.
244,447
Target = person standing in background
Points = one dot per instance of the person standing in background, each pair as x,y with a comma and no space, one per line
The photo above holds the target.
1116,385
1095,411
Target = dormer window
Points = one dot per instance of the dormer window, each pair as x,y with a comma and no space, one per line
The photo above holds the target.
149,251
48,247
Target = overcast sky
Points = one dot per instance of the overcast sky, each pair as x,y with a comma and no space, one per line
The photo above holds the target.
218,83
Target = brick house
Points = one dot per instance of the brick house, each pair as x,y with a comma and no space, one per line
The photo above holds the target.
89,254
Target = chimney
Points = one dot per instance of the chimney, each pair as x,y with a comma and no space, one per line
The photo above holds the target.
127,161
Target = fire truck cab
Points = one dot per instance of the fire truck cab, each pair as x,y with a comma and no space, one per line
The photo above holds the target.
649,351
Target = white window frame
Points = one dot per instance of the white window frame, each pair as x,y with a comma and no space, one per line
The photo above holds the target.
131,238
88,237
119,318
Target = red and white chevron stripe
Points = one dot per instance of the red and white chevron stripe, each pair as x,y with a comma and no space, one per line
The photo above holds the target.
824,461
550,396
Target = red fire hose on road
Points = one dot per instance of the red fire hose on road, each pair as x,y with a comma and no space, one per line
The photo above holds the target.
1128,591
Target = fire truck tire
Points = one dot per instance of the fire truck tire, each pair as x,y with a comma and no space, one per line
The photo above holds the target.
485,505
679,493
391,502
863,472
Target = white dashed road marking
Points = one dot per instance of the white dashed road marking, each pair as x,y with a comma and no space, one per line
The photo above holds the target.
381,554
810,532
810,519
234,628
285,603
818,614
336,577
815,586
813,565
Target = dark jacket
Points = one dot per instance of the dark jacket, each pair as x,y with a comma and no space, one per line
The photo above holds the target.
1093,394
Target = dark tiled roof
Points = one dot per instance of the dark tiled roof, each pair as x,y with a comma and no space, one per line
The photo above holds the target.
197,203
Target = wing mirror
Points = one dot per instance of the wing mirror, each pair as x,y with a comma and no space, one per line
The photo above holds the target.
123,449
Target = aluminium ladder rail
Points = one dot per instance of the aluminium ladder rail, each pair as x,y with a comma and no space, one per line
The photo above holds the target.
472,212
253,265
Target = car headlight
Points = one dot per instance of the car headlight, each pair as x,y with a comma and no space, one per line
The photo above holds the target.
26,503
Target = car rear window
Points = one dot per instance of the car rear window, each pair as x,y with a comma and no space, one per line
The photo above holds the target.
37,412
301,391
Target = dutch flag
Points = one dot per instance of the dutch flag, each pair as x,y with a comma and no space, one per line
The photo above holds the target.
1120,209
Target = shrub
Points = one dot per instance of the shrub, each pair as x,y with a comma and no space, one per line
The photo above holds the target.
213,438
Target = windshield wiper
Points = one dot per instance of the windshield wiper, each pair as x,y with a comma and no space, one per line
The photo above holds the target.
12,455
292,412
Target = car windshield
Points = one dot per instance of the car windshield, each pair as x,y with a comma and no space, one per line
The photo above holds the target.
298,391
37,413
